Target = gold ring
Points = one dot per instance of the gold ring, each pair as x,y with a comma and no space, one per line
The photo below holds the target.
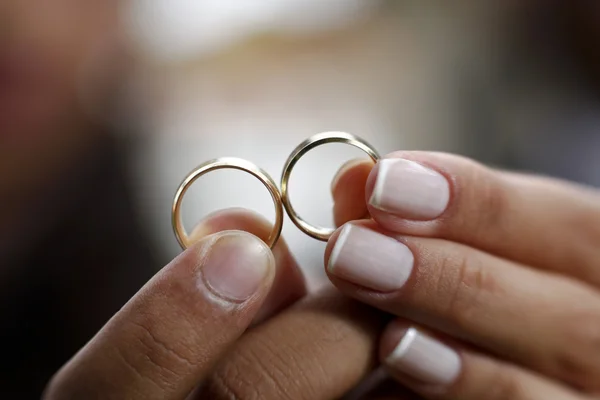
226,163
316,232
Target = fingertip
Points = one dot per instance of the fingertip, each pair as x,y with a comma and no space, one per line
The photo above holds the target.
391,337
404,188
331,245
237,266
232,219
289,284
370,183
339,242
347,172
348,191
339,234
417,358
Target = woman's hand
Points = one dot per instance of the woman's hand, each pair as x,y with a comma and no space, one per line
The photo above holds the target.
495,276
184,335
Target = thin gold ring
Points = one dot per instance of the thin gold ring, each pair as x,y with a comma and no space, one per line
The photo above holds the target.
317,232
226,163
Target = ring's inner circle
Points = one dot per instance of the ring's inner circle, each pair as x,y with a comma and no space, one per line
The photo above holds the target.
219,188
308,183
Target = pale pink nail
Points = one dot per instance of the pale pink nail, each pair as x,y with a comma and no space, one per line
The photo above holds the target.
367,258
425,359
410,190
236,265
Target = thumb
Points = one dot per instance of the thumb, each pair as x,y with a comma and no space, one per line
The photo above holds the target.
171,334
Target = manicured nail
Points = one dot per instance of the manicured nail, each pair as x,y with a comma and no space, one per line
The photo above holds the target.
424,359
367,258
236,265
410,190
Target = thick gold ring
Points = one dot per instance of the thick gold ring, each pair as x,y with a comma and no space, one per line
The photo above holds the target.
226,163
316,232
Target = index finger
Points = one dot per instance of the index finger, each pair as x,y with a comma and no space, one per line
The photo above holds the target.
165,340
318,349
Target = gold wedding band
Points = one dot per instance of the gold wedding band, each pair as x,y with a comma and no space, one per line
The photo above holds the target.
316,232
226,163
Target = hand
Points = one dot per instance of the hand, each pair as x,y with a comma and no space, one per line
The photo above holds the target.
170,335
495,276
184,335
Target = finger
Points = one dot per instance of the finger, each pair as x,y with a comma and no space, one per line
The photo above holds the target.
165,340
520,313
438,370
348,191
319,348
524,218
289,284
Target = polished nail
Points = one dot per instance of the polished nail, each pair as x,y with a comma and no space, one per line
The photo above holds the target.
424,359
409,190
236,265
370,259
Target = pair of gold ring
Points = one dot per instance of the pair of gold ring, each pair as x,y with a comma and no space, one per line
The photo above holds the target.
281,198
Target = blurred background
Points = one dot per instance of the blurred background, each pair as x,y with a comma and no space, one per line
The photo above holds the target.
106,106
488,79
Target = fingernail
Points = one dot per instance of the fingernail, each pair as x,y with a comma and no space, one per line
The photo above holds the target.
236,265
410,190
424,359
367,258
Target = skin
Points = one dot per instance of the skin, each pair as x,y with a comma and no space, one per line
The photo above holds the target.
173,341
191,347
510,251
495,280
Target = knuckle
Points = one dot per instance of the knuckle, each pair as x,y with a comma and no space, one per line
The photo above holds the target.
485,198
224,384
579,362
492,199
585,249
503,384
251,373
265,366
167,359
470,284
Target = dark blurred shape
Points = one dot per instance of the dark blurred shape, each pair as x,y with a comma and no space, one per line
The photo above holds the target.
72,251
582,26
86,260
